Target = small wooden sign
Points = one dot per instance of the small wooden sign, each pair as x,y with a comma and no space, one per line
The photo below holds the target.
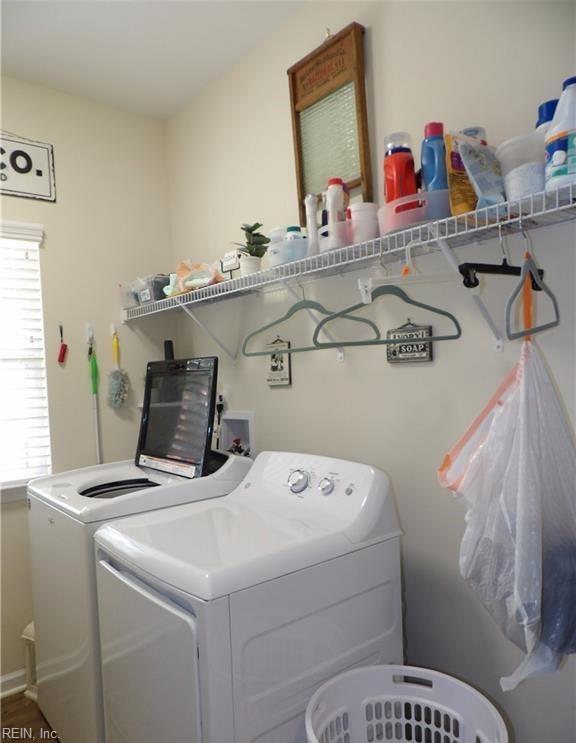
412,346
26,168
230,262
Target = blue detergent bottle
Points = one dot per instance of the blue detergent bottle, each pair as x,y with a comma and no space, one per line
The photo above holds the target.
434,177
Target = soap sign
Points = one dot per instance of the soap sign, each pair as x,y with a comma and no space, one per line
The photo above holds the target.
26,168
412,345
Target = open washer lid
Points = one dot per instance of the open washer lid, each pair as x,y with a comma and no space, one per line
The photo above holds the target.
263,530
64,491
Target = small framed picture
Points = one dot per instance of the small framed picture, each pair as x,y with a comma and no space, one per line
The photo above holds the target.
280,367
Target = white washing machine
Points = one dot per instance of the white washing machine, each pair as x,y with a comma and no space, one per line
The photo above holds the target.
219,620
66,509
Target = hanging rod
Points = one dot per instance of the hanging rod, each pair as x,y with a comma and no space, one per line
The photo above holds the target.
469,272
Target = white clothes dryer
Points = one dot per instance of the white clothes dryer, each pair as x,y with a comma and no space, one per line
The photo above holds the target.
66,509
219,620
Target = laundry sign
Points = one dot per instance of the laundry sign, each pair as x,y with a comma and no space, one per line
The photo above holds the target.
412,344
26,168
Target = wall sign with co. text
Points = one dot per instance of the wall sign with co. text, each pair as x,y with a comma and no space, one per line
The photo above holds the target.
26,168
412,344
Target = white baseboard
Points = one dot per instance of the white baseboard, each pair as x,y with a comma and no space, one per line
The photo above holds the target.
12,683
32,693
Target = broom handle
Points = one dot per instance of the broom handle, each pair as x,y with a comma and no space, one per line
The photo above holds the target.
96,426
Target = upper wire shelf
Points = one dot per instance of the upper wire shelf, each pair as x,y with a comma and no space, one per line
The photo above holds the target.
538,210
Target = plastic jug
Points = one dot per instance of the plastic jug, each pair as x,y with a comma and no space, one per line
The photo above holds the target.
399,175
561,140
434,174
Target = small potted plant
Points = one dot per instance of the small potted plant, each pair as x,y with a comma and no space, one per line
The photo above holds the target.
253,249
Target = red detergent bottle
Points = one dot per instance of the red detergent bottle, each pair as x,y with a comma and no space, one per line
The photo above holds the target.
399,174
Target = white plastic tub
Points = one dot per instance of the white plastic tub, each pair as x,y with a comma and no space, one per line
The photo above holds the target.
363,222
522,162
401,704
274,253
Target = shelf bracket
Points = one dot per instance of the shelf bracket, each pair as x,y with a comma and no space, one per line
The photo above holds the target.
206,329
314,317
478,301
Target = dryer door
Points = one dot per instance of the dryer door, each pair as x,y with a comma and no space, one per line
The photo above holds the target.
149,663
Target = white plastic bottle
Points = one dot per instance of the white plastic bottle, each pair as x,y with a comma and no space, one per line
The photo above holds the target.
311,206
561,140
335,208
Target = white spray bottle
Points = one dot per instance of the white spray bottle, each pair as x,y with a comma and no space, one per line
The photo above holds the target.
311,206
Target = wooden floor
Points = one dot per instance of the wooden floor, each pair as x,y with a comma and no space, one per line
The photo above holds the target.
19,712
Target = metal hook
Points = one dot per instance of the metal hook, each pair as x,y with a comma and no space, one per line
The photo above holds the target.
380,260
503,250
528,246
409,266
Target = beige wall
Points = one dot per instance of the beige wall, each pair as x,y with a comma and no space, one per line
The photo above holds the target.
109,224
231,161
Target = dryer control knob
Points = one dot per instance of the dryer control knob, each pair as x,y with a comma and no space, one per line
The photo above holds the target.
326,485
298,481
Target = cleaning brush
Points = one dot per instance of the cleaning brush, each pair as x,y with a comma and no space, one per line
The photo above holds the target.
118,380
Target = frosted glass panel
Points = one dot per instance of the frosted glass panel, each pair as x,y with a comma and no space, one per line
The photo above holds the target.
329,136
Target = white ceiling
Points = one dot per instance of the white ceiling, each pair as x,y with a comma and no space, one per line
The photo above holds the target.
148,56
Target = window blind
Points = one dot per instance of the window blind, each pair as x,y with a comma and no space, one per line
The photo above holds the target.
24,425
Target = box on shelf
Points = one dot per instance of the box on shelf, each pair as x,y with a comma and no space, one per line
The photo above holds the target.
149,288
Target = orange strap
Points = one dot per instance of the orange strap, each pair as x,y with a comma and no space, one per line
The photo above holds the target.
527,301
455,451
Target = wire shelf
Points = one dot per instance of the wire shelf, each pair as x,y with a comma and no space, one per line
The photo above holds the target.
535,211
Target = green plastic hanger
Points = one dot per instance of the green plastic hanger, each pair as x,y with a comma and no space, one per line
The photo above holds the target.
529,267
305,304
379,292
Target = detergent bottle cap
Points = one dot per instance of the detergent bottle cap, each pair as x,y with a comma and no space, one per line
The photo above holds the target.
293,228
569,81
546,111
434,129
397,142
335,182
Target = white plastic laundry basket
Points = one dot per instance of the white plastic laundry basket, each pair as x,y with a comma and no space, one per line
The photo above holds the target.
401,704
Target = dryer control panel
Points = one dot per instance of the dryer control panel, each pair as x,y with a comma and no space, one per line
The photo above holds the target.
300,480
353,497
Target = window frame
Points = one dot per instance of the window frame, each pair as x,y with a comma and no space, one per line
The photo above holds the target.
12,491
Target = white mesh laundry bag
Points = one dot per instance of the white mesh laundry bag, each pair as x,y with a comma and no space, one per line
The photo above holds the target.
515,471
